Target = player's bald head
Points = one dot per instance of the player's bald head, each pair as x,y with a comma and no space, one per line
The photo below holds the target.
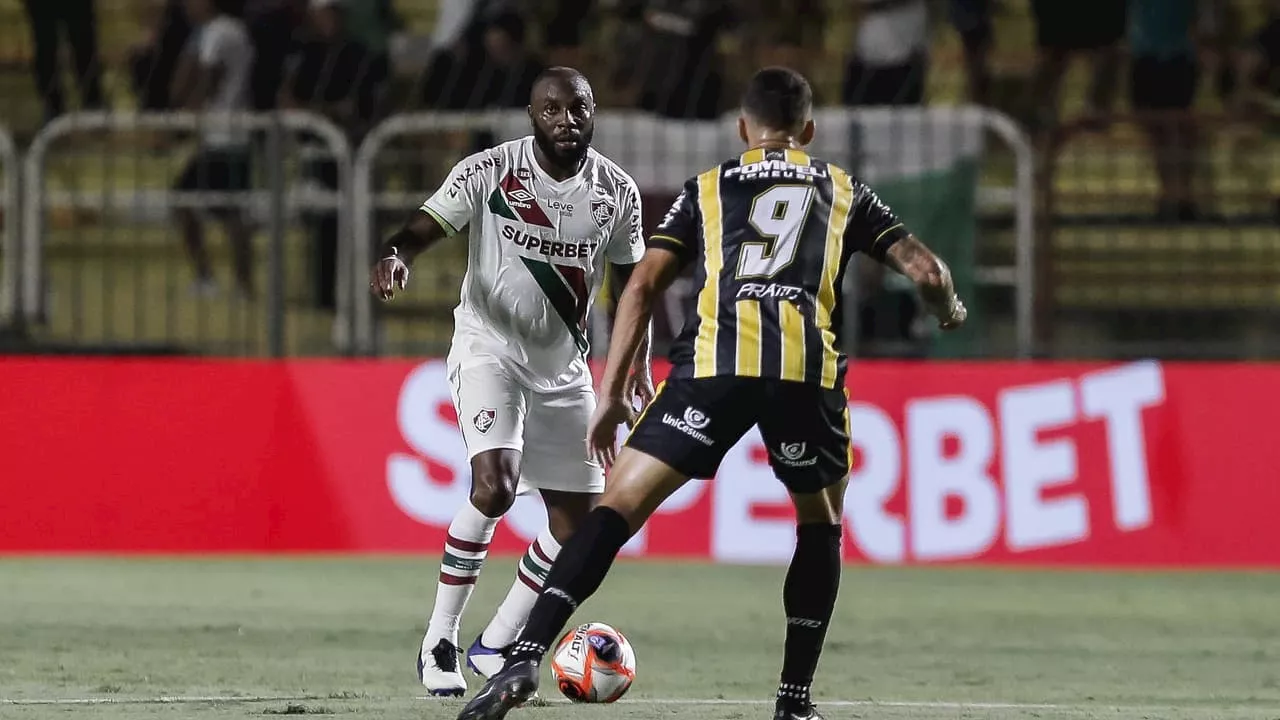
563,79
562,113
778,98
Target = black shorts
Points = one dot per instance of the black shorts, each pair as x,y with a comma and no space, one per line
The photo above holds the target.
1163,83
1079,24
224,170
692,423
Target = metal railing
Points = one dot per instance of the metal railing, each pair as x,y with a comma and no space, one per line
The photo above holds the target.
252,330
10,239
1160,236
661,154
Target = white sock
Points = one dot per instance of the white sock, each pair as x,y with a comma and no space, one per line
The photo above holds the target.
514,610
464,553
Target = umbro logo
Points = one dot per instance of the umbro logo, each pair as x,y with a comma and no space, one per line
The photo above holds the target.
520,198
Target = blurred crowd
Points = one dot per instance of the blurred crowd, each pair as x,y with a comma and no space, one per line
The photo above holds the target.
340,57
356,61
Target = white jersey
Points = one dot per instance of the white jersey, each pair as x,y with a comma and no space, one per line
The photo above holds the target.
538,252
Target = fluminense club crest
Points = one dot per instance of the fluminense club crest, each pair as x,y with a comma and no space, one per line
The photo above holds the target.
602,211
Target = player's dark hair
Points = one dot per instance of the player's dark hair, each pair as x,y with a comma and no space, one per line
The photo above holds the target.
779,98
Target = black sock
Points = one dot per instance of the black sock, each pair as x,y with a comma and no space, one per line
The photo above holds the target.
809,597
577,572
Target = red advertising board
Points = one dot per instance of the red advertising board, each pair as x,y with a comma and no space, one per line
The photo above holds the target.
1039,463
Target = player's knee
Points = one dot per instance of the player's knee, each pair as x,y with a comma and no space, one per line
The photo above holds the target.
494,476
819,516
565,512
492,494
493,488
824,507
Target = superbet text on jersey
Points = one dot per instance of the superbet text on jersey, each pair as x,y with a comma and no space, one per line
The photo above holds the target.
537,253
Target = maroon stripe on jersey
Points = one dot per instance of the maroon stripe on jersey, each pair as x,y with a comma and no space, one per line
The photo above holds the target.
577,280
537,550
529,582
466,545
447,579
520,199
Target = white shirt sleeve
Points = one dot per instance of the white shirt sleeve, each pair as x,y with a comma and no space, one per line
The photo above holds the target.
215,41
626,244
461,194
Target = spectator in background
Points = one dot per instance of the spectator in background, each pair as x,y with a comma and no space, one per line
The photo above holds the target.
1261,71
669,55
271,25
76,18
1065,28
1163,77
213,75
498,72
972,20
564,31
788,33
891,55
334,73
153,61
371,23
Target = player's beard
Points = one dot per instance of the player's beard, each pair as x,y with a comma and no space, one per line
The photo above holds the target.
566,159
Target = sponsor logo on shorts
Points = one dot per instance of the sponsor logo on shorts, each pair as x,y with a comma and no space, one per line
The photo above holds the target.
696,418
793,455
484,419
690,424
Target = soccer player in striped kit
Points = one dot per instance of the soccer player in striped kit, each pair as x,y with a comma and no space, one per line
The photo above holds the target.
547,217
770,233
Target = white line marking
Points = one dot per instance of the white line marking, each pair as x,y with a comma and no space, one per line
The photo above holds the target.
170,700
919,704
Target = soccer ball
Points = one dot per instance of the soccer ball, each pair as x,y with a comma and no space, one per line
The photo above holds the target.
594,664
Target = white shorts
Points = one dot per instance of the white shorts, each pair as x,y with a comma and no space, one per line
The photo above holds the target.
549,429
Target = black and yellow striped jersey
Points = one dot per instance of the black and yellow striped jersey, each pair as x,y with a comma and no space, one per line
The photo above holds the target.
772,232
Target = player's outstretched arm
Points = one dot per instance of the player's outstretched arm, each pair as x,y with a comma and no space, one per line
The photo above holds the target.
651,276
391,270
931,276
641,382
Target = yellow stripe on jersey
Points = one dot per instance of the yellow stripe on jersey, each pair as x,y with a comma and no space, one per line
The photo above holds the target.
797,157
848,429
675,240
841,204
752,156
704,347
791,328
748,343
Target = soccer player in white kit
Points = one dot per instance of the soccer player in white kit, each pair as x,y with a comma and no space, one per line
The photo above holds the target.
547,215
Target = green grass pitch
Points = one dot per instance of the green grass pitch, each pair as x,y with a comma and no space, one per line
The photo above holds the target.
237,638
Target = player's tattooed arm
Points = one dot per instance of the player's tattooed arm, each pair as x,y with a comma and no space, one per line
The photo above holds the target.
419,233
391,268
931,276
